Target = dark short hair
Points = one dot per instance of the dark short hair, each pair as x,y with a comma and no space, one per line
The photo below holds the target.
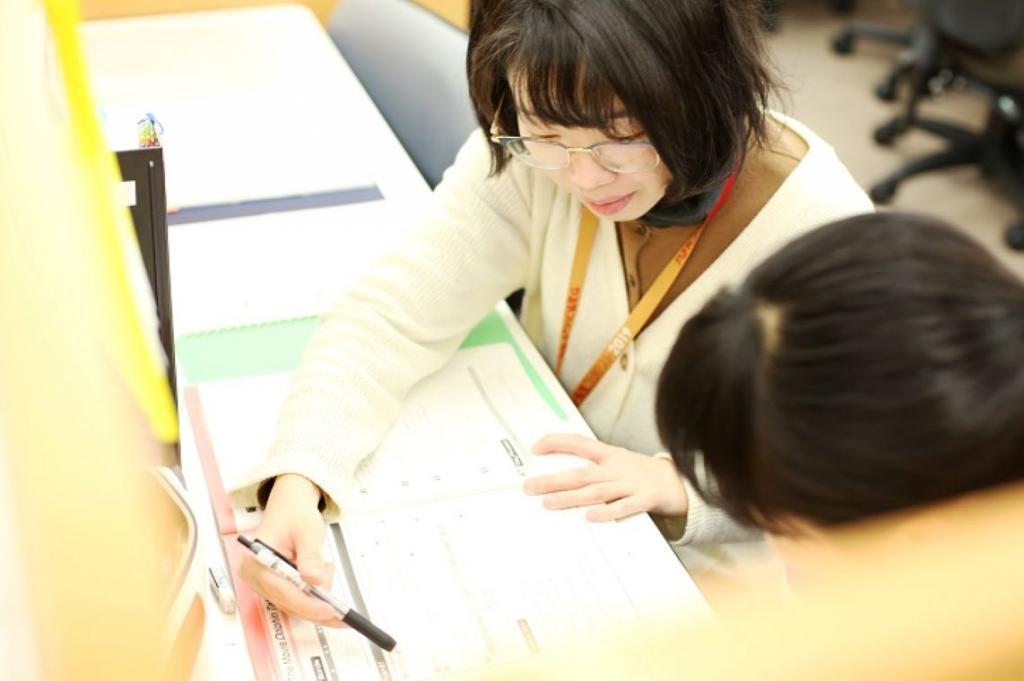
693,73
874,364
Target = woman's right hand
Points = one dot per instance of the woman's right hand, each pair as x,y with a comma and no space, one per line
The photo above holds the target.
292,524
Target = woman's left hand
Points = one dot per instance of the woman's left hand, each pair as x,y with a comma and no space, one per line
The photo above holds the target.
624,482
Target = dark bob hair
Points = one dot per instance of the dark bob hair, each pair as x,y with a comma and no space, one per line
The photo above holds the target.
692,72
872,365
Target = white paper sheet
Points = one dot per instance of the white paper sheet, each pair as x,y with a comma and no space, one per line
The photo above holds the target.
261,268
466,429
443,550
435,452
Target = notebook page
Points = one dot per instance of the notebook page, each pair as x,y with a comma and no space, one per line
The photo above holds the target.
259,268
466,429
461,567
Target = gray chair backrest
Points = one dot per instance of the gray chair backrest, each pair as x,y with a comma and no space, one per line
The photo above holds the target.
986,26
413,65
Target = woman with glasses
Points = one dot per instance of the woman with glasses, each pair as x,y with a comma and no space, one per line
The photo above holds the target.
626,168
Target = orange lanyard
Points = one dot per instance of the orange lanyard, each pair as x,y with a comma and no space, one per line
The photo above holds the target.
644,308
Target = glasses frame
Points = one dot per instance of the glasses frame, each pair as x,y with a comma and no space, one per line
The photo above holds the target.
505,140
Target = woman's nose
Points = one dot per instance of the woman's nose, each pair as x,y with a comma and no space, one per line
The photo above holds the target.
586,173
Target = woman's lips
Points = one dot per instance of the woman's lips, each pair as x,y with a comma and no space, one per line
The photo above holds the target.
611,207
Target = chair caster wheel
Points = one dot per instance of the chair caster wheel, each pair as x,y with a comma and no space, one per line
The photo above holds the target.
883,191
887,133
1015,236
886,90
843,43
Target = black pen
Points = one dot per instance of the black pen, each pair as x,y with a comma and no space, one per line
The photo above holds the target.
271,558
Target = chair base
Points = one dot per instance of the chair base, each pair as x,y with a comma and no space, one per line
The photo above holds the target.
965,148
992,150
770,11
912,40
1015,236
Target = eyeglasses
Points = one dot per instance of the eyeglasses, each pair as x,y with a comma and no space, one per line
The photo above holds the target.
618,157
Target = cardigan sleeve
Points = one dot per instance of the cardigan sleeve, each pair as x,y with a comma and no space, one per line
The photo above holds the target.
707,524
401,322
703,523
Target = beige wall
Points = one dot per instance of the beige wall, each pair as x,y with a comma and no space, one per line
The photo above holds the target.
455,11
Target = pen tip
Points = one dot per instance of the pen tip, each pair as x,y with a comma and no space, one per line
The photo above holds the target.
245,541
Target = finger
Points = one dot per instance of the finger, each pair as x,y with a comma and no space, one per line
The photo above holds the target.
622,508
567,443
557,482
601,493
329,578
283,594
309,561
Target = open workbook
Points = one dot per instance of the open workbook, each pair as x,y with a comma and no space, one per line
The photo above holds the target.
438,545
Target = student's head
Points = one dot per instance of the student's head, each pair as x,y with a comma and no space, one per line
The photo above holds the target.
687,76
873,365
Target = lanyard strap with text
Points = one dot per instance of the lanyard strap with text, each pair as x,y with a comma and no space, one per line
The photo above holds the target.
644,308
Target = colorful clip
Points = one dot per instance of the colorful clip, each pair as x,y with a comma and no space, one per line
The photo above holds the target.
149,131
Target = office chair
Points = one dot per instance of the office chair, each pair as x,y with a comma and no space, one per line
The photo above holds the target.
909,38
413,65
979,44
770,10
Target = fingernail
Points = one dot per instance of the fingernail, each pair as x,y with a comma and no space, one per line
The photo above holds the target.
529,486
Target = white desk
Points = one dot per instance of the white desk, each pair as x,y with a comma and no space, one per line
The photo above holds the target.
256,103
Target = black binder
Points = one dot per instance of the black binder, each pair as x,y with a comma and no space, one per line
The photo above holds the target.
145,168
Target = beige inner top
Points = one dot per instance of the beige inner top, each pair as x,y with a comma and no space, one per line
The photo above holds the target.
646,251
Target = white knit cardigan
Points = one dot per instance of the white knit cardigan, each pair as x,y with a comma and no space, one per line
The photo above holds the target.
483,238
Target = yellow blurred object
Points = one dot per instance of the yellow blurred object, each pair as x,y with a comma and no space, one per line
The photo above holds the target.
83,399
133,347
455,11
104,9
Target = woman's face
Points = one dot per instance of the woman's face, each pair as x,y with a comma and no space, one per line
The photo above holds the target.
618,196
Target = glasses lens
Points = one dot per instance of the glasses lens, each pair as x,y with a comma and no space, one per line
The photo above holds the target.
627,157
546,155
